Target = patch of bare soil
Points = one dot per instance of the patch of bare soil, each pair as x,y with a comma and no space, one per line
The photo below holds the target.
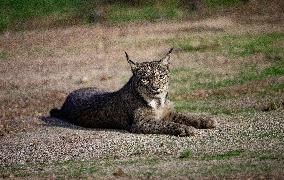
270,11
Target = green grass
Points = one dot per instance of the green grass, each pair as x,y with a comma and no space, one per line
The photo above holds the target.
247,75
75,169
234,46
249,44
106,167
268,157
19,14
195,44
269,135
250,74
121,14
187,81
4,55
79,169
223,156
276,87
224,3
188,75
15,12
187,153
243,168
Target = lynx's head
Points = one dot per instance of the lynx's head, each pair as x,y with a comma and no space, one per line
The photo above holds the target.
151,79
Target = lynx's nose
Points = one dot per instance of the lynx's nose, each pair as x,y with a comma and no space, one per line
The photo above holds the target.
155,88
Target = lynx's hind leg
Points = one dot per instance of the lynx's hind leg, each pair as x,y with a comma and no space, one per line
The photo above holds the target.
197,121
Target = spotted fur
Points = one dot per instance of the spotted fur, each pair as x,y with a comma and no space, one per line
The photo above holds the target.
140,106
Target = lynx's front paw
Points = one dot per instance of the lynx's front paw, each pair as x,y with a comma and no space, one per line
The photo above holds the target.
207,123
185,130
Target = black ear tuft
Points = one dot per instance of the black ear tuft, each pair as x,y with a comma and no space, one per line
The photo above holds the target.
170,51
127,57
165,60
132,64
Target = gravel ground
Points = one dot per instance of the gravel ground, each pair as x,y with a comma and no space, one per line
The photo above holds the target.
54,140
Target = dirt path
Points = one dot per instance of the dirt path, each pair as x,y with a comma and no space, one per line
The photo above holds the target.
39,68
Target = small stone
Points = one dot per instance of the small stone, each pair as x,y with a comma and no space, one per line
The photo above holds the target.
83,80
120,173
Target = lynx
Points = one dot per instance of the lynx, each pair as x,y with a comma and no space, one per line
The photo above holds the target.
140,106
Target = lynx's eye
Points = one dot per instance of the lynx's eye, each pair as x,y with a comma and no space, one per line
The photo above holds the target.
162,76
144,81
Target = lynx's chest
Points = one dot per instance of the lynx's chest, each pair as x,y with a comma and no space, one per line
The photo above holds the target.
160,107
156,102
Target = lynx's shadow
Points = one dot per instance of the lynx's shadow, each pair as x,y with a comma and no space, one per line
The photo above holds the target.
56,122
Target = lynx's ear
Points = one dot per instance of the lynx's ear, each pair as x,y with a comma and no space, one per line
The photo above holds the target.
133,65
165,60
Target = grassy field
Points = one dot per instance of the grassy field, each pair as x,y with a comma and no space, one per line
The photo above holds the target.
220,67
189,82
230,164
33,14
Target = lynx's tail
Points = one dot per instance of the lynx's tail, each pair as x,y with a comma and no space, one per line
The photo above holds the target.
55,113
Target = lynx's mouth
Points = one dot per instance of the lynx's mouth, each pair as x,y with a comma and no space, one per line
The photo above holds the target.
156,92
151,92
